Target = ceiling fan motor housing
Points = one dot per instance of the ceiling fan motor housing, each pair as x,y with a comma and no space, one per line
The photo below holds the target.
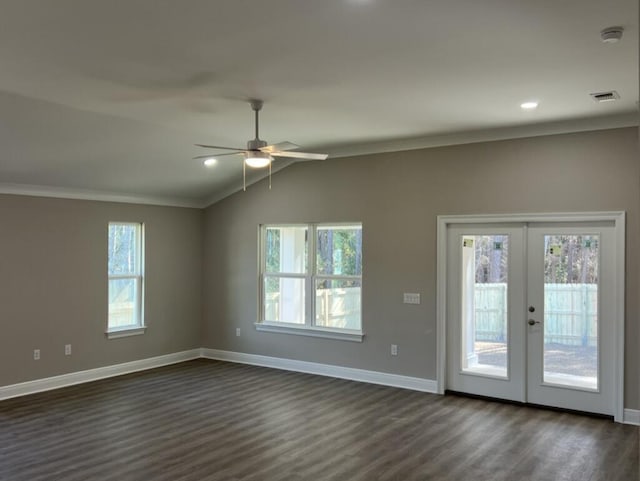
256,144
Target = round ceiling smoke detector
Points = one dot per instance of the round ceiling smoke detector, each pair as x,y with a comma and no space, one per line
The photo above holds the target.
611,34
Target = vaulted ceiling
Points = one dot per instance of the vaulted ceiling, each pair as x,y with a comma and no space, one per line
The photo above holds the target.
108,97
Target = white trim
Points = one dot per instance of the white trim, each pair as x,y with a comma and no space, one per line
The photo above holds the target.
610,216
80,194
441,304
618,217
619,321
303,330
362,375
80,377
632,416
398,145
115,332
485,135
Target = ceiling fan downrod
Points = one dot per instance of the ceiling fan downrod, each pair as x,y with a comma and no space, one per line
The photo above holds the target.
256,105
256,144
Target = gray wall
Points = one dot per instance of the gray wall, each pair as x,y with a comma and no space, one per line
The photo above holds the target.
397,196
53,284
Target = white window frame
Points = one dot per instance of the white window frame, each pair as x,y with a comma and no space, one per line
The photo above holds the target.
139,326
309,328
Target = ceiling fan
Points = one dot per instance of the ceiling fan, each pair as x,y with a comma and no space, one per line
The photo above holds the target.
258,153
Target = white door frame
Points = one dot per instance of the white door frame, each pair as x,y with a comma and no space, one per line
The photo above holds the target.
617,217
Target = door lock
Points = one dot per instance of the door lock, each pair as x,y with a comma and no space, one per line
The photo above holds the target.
533,322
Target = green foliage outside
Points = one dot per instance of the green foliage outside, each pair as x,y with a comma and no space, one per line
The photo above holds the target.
568,259
571,259
338,252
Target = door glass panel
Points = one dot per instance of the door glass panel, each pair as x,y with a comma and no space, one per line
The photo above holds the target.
571,310
484,304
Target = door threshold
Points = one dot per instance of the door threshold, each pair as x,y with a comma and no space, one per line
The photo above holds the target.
448,392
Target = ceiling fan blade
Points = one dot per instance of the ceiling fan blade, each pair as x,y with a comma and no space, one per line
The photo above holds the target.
220,147
280,146
215,156
300,155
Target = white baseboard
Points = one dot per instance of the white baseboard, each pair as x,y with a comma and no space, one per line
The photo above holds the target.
55,382
373,377
632,416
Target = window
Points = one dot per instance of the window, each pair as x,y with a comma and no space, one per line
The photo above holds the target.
125,267
311,279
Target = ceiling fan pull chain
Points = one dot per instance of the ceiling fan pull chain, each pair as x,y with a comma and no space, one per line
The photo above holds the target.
269,175
244,176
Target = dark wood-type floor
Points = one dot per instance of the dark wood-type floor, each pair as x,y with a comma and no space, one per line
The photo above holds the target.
208,420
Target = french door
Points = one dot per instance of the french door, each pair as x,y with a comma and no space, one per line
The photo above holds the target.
530,313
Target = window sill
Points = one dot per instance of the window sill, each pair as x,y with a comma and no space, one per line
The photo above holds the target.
342,335
125,332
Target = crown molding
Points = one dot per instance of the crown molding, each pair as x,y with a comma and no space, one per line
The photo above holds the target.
398,145
631,119
101,196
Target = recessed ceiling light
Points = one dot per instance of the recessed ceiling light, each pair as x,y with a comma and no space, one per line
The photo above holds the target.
529,105
210,162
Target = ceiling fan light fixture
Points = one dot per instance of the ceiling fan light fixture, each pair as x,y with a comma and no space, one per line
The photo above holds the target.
210,162
257,159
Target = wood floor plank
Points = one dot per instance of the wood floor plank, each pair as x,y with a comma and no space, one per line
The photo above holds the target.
215,421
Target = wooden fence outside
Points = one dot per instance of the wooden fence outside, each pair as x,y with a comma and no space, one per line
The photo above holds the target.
571,313
334,307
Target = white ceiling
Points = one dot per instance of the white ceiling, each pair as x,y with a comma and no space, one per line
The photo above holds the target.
109,96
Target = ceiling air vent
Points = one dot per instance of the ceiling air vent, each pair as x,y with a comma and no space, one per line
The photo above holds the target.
605,96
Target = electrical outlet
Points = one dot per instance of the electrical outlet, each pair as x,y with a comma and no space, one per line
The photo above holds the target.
238,331
36,354
394,349
67,349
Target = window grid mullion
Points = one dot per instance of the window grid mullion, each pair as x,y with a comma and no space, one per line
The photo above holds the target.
124,276
338,277
285,275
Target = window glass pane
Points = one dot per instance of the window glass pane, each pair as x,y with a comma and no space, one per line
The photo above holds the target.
485,284
284,299
123,247
571,310
123,296
338,303
339,250
286,250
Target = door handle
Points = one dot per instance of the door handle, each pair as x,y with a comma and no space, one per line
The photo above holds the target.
533,322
